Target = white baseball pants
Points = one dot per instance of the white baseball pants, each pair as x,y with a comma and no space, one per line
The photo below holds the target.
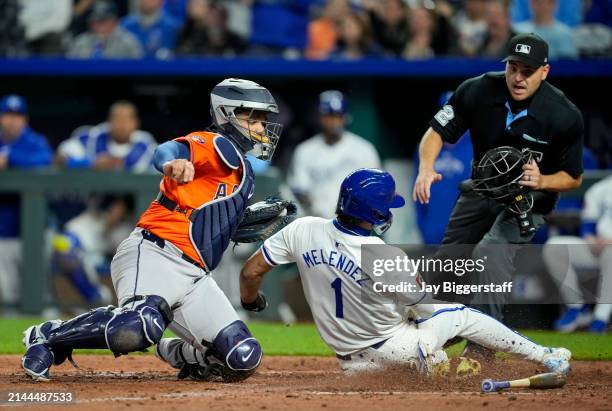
438,324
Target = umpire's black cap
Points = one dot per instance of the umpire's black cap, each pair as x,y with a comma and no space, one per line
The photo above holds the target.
530,49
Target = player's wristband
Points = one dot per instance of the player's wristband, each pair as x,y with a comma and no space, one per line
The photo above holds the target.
258,305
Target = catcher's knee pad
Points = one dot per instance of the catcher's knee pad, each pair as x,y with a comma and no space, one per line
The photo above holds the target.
139,326
236,347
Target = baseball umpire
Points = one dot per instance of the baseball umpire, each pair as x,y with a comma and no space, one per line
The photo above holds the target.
516,108
161,271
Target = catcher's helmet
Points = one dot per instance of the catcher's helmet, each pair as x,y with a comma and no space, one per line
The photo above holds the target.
368,194
233,95
498,173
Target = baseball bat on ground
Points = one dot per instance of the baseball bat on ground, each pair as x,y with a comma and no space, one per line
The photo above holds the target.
539,382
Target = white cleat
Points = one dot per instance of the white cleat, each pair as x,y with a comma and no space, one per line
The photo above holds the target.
558,360
433,364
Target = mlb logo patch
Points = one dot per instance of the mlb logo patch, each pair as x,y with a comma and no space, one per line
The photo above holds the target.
522,48
198,139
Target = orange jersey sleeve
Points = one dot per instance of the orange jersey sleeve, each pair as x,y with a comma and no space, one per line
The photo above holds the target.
197,141
213,179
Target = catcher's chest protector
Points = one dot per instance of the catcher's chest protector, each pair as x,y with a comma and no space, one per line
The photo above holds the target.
213,223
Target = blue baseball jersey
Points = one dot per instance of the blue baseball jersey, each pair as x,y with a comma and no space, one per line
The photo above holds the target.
88,143
29,150
454,163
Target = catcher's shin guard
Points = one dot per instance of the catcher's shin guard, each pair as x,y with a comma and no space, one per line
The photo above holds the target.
239,352
39,357
52,342
122,330
199,365
233,356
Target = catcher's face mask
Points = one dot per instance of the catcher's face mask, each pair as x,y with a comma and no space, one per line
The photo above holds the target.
234,103
498,173
254,125
497,176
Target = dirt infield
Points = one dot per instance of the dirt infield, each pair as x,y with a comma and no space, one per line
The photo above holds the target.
296,383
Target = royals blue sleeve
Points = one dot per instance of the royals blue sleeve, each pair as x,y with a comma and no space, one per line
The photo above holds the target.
78,162
32,152
588,228
168,151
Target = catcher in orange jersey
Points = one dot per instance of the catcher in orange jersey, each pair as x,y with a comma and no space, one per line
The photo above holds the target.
160,272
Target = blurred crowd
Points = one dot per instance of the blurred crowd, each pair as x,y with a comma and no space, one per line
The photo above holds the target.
312,29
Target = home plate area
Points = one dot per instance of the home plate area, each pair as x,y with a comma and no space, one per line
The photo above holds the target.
299,383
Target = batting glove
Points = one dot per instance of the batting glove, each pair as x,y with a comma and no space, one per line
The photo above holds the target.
258,305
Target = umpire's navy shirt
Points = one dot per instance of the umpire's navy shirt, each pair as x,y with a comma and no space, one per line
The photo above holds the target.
547,122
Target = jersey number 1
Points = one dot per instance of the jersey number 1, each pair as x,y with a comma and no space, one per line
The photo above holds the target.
337,286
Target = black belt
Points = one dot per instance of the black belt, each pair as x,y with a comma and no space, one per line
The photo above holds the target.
172,205
161,243
375,346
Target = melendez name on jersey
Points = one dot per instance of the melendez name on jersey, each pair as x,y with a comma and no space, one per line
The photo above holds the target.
340,257
328,257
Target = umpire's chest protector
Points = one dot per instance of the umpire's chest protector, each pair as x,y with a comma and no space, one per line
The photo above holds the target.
213,223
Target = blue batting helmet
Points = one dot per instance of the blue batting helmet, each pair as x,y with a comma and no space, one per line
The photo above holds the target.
332,102
368,194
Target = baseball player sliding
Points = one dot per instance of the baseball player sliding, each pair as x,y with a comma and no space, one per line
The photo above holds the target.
370,336
161,271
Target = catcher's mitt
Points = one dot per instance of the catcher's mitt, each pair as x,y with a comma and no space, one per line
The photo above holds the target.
263,219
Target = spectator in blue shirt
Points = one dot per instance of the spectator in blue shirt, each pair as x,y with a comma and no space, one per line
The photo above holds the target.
560,38
155,29
20,147
113,145
279,27
568,12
